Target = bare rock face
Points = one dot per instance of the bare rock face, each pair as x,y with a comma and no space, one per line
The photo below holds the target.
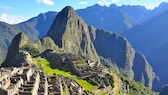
116,48
143,72
71,33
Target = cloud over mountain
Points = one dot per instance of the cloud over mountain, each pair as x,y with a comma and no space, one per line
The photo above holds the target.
83,2
12,19
104,2
47,2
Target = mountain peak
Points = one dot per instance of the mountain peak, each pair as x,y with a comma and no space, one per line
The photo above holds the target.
68,8
67,17
20,39
67,11
18,49
71,33
163,4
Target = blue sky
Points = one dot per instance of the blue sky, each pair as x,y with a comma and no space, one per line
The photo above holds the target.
15,11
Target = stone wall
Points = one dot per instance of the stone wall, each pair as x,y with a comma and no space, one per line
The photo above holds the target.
30,80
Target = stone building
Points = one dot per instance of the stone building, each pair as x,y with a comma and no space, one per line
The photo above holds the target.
29,80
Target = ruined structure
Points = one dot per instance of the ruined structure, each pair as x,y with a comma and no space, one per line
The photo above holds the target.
29,80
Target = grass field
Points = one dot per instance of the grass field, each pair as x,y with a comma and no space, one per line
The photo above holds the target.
42,63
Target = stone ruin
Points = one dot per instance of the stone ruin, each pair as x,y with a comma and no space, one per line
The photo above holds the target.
29,80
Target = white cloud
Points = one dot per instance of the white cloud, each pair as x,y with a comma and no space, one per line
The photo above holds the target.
104,2
83,2
115,1
47,2
5,7
11,19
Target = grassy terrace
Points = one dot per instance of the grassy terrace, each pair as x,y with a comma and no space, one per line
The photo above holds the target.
42,63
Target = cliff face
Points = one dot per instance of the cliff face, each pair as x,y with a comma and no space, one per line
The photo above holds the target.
71,33
143,72
116,48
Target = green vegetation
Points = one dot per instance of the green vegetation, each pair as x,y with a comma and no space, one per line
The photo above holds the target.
107,62
111,80
136,88
66,92
31,49
42,63
79,62
103,93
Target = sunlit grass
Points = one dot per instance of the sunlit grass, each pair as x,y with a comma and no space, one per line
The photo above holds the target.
42,63
105,93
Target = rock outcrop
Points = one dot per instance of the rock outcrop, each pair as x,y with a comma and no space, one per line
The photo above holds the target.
71,33
143,72
116,48
19,50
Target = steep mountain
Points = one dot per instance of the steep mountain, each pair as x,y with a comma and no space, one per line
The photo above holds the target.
141,66
7,33
151,39
41,23
20,47
131,63
71,33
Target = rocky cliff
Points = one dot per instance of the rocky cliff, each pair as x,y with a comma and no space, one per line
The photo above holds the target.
71,34
130,63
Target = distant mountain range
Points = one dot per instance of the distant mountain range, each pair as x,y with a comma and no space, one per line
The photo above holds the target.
121,20
151,39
